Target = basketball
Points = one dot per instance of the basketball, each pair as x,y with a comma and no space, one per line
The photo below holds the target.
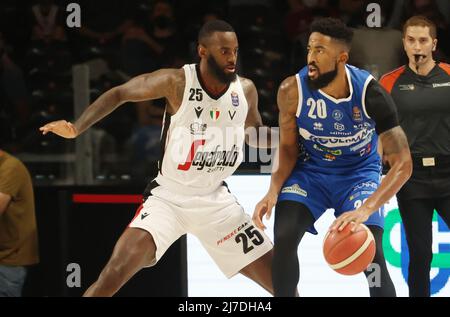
347,252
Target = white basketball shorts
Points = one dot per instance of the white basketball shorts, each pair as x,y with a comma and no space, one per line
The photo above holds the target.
216,219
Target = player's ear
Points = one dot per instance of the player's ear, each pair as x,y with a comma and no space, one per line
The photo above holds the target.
201,50
434,44
343,57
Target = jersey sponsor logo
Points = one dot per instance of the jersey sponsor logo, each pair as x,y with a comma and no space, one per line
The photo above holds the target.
329,157
214,114
213,159
318,126
234,99
341,133
324,149
365,134
406,87
197,128
441,85
198,111
231,114
366,150
356,114
339,126
360,126
365,185
294,189
232,233
337,115
362,144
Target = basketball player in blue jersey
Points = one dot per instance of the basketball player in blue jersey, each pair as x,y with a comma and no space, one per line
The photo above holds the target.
331,117
207,108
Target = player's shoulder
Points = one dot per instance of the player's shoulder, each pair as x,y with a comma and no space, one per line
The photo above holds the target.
388,80
12,163
174,75
393,75
246,83
445,67
288,95
288,85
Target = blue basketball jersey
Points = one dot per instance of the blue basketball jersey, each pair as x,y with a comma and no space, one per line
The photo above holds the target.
337,136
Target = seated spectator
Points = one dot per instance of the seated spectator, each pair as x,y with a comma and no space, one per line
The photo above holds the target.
152,42
47,25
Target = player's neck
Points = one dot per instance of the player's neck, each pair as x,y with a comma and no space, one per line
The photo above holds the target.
339,87
214,86
422,70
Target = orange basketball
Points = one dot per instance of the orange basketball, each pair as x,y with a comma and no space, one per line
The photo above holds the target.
349,252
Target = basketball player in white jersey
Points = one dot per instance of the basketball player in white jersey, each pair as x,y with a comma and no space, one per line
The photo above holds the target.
208,108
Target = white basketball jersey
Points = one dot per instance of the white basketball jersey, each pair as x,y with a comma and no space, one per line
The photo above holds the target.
203,142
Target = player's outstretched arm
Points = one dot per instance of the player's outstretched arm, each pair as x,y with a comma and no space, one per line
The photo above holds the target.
287,100
144,87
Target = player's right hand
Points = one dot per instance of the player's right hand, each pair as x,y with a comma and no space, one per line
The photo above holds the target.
62,128
264,207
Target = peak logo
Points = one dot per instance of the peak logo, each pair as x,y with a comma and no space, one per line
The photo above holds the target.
214,158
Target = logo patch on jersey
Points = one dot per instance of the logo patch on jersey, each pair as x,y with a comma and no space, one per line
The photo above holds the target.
324,149
232,233
329,157
406,87
294,189
318,126
366,150
214,114
215,160
231,114
337,115
331,142
339,126
356,114
370,184
439,85
198,128
234,99
198,111
145,214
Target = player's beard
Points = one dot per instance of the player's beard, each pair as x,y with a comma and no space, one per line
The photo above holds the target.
218,72
323,80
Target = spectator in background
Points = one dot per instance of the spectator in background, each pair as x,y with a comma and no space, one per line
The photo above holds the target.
14,102
47,22
376,49
152,41
18,232
430,10
437,11
104,22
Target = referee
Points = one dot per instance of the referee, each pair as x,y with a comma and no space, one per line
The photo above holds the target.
421,91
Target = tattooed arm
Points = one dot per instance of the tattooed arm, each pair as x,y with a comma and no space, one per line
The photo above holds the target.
167,83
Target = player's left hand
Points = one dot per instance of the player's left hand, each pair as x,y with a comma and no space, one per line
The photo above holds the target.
356,216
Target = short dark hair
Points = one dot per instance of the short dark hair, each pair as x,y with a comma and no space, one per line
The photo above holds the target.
419,20
213,26
333,28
